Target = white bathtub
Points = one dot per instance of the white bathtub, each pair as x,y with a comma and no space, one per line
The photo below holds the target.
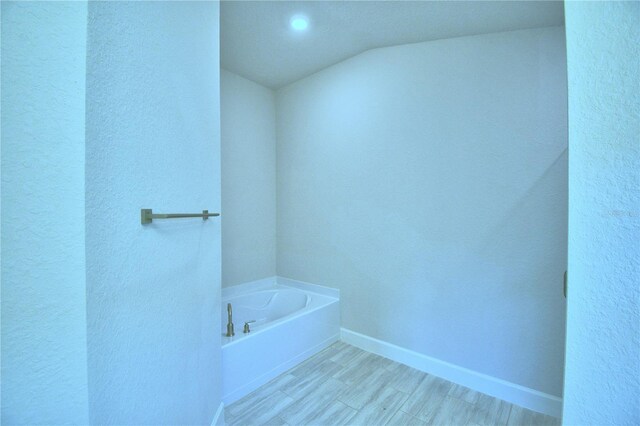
292,322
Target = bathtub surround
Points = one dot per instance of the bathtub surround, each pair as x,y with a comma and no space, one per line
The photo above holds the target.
248,180
428,183
44,345
602,379
286,339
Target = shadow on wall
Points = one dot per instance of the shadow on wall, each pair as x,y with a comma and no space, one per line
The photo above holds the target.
532,272
541,201
469,305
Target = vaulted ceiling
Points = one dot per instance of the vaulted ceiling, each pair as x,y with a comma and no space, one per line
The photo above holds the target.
258,42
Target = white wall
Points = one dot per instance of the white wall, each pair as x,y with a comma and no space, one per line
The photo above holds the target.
428,182
44,351
602,380
248,180
153,292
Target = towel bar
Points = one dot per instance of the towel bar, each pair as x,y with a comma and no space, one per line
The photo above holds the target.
147,215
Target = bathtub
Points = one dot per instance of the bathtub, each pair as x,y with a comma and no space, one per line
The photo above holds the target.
290,321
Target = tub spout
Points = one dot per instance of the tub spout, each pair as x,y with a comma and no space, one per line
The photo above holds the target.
230,322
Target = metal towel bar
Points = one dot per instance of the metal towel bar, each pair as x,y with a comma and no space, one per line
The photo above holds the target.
147,215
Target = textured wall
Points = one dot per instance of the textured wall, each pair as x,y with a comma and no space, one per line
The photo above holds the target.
153,292
602,381
44,352
428,182
248,180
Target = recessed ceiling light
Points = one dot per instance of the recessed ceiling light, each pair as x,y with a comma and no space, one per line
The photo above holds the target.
299,22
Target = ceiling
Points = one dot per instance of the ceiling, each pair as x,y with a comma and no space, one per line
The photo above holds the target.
257,42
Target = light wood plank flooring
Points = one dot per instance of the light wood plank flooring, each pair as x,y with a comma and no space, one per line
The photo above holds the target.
344,385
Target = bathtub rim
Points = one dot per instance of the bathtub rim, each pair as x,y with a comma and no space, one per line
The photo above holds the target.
270,282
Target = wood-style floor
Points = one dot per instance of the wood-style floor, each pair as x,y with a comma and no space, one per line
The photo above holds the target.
344,385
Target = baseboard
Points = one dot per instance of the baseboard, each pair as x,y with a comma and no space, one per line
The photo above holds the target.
502,389
275,372
218,419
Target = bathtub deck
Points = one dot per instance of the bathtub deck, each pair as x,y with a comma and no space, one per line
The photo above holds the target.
344,385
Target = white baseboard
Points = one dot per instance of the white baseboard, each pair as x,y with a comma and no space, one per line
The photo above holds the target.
275,372
507,391
218,419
